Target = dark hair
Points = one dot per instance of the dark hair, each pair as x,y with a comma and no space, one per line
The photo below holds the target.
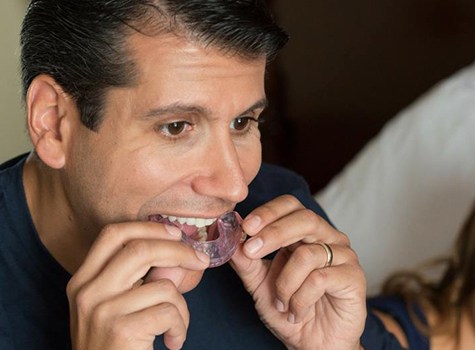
450,296
82,44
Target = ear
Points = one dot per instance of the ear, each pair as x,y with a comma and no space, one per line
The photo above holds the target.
47,105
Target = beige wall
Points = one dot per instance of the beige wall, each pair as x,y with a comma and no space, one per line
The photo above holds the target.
13,137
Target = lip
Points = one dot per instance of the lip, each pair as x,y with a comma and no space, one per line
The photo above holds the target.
199,216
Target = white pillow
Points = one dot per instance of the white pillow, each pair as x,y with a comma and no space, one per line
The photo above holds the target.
404,197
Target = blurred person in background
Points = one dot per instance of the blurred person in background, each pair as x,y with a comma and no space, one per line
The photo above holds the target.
438,314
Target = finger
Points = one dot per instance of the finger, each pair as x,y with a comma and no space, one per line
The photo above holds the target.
250,271
270,212
174,274
115,237
146,296
161,319
342,285
300,264
302,225
134,260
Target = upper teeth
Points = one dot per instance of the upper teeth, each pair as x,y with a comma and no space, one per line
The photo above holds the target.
198,222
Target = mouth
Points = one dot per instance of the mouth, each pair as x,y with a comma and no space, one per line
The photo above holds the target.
216,237
198,229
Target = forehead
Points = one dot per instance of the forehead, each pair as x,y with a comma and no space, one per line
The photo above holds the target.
173,59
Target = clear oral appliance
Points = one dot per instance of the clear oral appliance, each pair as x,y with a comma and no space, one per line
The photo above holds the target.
218,240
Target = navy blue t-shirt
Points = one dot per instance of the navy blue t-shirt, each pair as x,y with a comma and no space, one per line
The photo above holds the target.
396,308
34,310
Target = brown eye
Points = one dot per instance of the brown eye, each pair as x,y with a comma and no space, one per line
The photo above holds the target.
241,123
174,129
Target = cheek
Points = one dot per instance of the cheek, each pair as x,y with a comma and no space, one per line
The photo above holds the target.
108,186
151,178
90,176
152,174
250,158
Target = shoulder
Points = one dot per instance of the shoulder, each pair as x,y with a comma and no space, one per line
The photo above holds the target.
12,162
273,181
398,319
277,179
10,173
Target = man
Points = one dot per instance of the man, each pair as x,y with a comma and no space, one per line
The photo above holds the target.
145,108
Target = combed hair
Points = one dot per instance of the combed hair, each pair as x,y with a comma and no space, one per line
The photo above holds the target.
83,44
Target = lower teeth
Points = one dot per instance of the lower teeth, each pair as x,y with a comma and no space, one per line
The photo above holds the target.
202,234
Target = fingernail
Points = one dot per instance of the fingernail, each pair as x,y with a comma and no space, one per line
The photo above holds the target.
252,223
202,256
253,245
173,230
279,305
291,318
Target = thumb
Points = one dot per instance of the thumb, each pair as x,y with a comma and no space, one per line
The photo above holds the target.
174,274
251,271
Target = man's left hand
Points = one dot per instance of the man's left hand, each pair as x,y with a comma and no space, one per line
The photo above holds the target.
304,301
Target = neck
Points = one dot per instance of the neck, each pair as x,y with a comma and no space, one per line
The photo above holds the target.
458,341
54,220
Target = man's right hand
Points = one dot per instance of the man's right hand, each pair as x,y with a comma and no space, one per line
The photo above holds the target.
109,305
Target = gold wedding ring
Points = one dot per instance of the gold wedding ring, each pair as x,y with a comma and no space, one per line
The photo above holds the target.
329,252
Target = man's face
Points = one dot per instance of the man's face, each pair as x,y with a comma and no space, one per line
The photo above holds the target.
181,142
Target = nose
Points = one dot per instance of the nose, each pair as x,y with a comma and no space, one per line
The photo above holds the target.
221,173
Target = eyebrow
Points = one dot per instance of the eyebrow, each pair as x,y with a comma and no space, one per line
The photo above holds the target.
179,108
